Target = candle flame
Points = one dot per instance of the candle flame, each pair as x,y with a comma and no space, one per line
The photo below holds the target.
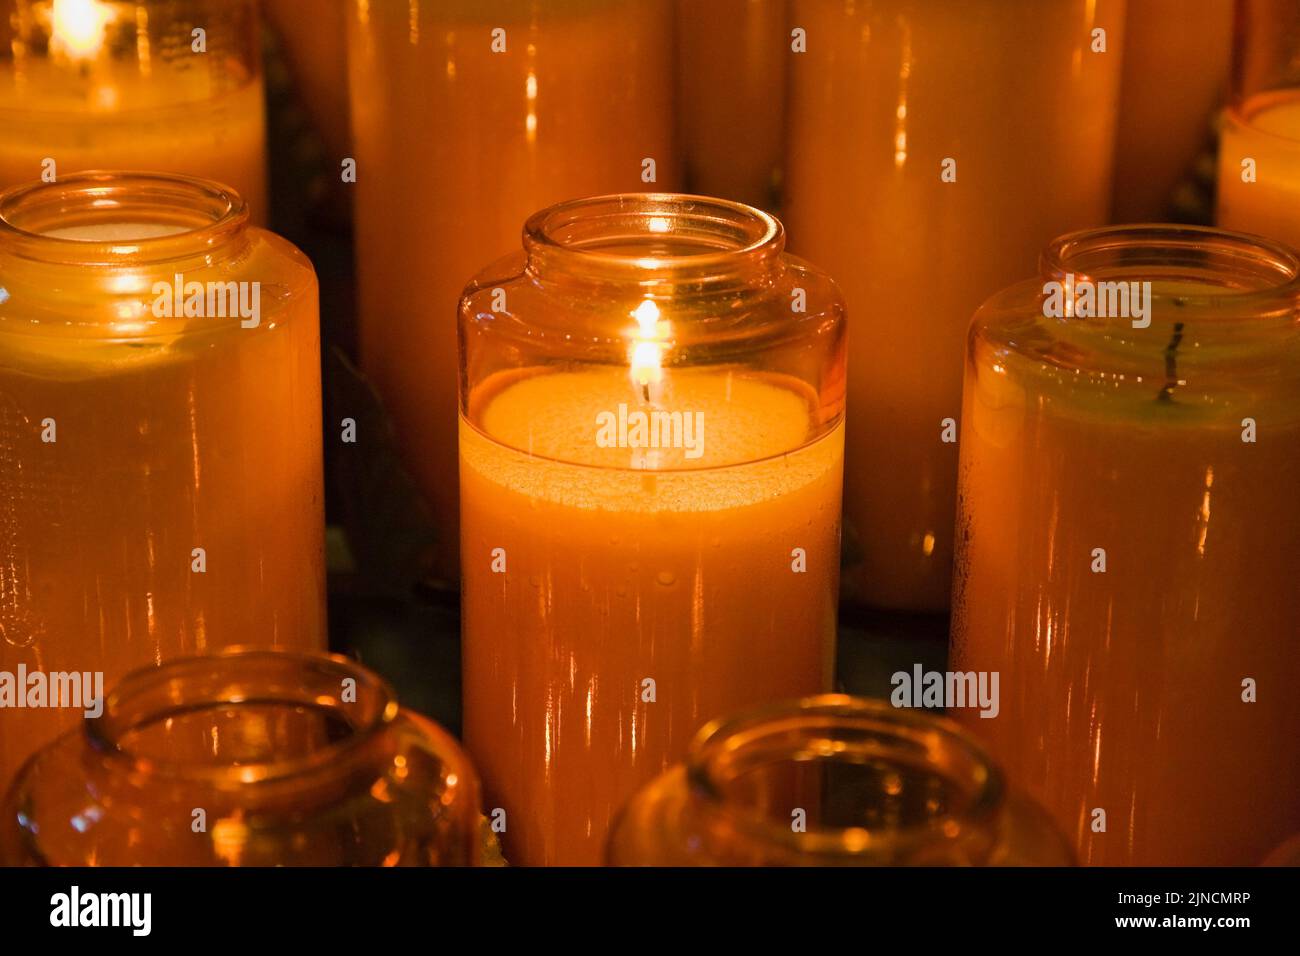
646,354
77,27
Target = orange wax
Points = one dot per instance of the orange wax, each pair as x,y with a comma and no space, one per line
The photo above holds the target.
457,146
1267,130
884,94
1163,126
731,58
614,574
170,435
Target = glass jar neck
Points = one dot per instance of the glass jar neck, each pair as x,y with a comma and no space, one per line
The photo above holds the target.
111,219
658,244
1194,273
242,717
918,789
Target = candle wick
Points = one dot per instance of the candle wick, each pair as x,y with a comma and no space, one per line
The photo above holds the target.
1171,365
645,391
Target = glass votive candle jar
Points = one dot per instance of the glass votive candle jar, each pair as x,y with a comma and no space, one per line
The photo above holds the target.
651,444
834,781
160,442
1259,152
921,190
247,758
469,116
1127,531
167,85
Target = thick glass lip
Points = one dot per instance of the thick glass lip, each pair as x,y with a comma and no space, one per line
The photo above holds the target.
206,214
660,237
900,732
1236,113
241,675
1266,272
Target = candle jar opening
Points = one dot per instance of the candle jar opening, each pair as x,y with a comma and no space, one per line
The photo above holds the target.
660,242
119,218
833,781
292,758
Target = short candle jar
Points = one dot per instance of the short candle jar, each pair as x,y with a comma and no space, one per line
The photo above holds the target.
286,759
834,781
161,489
107,84
1127,536
651,451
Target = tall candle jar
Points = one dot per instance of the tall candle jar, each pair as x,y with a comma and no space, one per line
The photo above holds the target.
167,85
470,115
651,450
1127,532
731,66
834,781
247,758
932,150
1259,153
1161,137
161,489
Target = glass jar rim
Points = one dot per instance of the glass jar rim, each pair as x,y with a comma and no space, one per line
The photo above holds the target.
721,739
207,213
149,694
1090,253
733,238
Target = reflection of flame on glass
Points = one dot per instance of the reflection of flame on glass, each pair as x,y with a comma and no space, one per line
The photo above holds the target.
646,354
77,27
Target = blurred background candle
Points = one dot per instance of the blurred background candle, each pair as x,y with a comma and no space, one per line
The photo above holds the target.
94,84
457,144
885,94
731,59
1262,126
1128,557
592,562
314,35
130,437
1165,126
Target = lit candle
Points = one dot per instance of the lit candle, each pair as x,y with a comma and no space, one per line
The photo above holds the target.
468,118
1128,557
160,476
621,588
94,84
933,149
731,96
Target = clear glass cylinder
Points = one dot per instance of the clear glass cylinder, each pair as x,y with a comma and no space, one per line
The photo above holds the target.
834,781
123,84
161,482
921,190
1259,152
247,758
1127,530
1160,136
651,451
731,68
469,116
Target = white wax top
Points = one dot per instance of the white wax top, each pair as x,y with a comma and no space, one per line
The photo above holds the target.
117,231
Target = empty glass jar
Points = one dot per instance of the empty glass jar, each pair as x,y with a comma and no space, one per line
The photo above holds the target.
247,758
833,781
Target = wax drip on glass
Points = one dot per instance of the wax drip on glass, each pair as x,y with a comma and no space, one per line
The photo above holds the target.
645,356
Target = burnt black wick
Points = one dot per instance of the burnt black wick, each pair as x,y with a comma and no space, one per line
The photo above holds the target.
1171,365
